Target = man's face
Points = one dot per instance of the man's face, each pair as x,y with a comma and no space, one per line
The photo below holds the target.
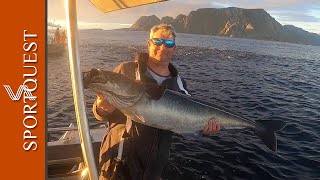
161,54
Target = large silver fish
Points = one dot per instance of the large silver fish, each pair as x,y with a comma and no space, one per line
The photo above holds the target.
169,110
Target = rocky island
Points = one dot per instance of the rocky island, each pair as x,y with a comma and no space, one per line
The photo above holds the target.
231,22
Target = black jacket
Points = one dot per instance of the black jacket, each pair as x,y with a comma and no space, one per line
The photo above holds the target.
146,149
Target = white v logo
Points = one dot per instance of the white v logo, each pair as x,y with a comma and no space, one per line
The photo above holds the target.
17,96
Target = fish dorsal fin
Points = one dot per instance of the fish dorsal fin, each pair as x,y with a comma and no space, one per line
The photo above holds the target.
155,92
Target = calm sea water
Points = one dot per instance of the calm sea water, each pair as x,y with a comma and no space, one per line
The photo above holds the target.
258,79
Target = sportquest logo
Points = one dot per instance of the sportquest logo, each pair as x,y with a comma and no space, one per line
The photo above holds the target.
28,92
22,89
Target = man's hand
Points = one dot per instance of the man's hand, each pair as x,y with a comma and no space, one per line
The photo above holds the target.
212,127
103,104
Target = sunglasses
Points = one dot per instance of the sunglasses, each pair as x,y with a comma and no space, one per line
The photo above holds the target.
159,42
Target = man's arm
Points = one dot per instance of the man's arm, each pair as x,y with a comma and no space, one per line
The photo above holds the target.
102,110
213,125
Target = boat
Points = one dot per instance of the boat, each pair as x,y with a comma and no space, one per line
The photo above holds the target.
56,46
65,158
75,154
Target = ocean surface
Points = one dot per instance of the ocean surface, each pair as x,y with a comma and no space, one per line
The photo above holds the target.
257,79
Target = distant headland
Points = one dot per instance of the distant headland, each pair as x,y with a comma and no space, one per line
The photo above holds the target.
231,22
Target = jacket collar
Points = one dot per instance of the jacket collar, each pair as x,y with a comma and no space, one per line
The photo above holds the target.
142,59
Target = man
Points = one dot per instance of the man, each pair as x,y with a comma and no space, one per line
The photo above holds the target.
145,149
57,36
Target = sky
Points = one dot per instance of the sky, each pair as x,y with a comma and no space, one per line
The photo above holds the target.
300,13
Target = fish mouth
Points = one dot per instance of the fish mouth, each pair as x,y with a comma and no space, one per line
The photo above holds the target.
93,76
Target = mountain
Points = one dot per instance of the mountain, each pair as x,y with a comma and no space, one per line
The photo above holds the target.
231,22
166,20
297,35
145,23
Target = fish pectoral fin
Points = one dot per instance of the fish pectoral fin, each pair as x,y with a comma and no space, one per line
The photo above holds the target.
137,118
141,118
128,124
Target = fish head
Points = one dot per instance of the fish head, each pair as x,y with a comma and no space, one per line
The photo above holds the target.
118,89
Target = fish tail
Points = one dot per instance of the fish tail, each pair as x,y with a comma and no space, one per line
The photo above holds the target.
267,132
